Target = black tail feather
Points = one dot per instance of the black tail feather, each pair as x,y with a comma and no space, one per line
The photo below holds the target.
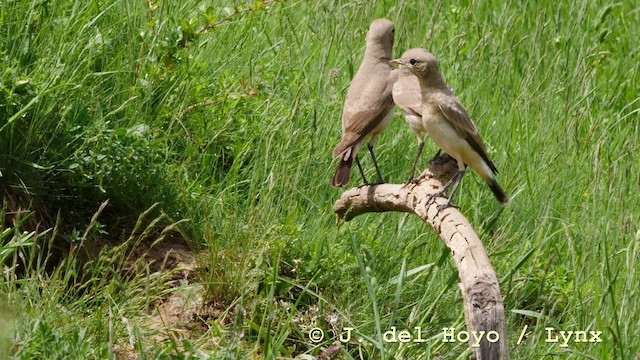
497,191
341,178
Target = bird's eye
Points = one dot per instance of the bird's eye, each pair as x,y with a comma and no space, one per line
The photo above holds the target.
413,61
393,30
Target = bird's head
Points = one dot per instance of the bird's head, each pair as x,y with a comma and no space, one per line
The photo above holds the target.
419,61
381,32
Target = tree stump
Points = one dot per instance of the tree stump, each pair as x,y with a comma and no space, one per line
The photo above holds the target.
483,307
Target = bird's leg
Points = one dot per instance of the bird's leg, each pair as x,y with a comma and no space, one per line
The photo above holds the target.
415,162
455,180
458,178
375,163
444,188
364,179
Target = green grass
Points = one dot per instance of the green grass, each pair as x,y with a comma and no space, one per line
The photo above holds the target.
97,102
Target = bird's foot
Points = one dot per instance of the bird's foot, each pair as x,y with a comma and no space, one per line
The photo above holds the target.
420,178
440,193
432,197
448,204
414,180
410,181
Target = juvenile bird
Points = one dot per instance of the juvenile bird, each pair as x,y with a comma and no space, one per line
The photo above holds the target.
368,107
407,96
448,124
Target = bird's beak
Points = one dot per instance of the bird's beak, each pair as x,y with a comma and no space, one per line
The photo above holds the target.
397,62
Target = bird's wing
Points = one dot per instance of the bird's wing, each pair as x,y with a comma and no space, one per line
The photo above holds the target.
359,124
369,103
458,117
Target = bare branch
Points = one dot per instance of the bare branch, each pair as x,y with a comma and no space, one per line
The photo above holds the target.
483,307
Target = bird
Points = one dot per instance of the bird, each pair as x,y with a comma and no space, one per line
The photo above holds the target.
448,124
368,106
407,96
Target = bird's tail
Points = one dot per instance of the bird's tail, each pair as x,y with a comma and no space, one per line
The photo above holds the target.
341,178
497,191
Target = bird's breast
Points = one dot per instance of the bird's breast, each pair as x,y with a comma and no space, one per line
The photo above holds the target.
439,129
431,116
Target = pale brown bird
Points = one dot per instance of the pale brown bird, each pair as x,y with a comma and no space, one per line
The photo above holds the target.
448,124
407,96
368,107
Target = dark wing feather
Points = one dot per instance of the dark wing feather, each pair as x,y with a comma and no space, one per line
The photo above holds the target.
460,120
